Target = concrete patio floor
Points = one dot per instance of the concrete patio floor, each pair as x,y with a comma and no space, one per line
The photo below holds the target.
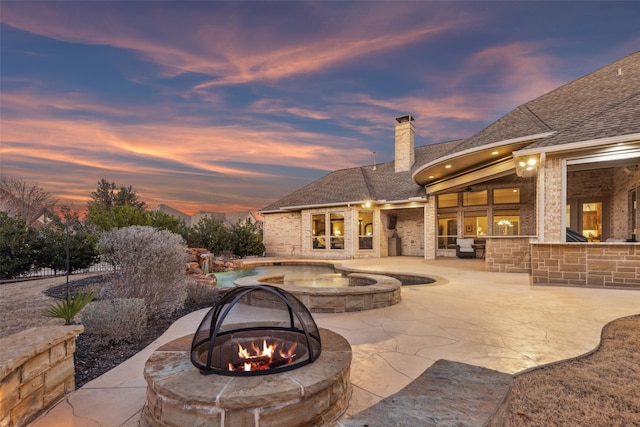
495,320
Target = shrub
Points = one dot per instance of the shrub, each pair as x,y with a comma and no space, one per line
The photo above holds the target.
69,307
199,295
17,246
117,320
149,264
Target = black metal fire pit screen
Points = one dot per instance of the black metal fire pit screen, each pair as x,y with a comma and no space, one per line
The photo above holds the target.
287,338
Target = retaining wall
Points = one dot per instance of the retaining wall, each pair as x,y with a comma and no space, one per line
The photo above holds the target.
36,370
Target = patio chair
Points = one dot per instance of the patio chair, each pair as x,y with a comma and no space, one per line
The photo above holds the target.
465,248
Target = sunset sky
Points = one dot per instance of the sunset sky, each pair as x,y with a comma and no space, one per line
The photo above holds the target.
229,106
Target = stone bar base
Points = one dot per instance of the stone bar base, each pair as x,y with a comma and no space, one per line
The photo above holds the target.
586,264
314,395
509,254
36,370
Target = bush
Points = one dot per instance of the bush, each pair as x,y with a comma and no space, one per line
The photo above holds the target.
149,264
117,320
69,307
17,246
199,295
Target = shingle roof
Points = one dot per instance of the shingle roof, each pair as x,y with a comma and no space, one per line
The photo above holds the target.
565,107
363,183
622,118
603,103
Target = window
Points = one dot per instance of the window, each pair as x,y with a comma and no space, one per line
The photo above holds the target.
337,231
365,230
448,200
474,198
592,221
323,238
447,230
318,232
475,223
506,195
506,223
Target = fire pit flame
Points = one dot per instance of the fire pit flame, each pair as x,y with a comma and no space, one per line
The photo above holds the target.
255,359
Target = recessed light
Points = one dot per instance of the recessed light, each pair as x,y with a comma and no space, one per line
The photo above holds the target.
493,153
431,177
532,162
448,166
515,191
522,164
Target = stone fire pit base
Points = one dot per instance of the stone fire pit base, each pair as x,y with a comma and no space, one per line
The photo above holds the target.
313,395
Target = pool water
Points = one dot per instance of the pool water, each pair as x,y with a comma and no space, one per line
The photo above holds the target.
296,275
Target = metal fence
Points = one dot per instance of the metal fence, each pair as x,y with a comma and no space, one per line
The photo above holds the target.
100,267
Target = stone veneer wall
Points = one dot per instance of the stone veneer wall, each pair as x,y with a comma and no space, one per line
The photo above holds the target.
586,264
508,254
36,369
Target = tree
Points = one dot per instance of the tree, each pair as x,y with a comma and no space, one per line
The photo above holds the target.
212,234
117,217
108,194
112,206
246,239
18,244
52,243
29,200
165,221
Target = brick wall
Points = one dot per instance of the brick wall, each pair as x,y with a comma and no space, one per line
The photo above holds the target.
410,230
586,264
551,187
624,183
508,254
431,229
281,234
36,370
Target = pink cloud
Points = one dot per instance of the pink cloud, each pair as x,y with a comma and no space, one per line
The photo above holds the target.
235,52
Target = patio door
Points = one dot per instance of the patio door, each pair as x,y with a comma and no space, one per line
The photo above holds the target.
590,218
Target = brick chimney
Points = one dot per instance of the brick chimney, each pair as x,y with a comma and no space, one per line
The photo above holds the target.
405,131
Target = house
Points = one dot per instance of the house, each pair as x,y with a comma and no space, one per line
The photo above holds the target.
230,219
566,163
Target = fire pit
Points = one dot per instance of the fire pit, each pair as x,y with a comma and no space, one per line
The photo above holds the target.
288,341
272,371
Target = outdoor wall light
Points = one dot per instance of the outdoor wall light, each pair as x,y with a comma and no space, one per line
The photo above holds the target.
527,166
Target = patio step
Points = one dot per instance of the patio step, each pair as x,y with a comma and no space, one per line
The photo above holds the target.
446,394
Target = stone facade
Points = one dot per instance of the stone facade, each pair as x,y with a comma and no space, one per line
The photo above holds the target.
36,370
582,264
365,292
508,254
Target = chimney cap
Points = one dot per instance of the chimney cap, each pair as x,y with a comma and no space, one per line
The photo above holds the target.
402,119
